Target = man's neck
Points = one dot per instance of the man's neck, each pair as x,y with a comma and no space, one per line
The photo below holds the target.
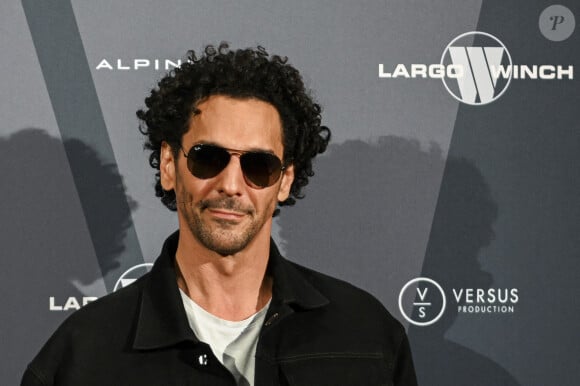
230,287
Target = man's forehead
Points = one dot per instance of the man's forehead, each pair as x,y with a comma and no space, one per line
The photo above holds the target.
227,99
233,122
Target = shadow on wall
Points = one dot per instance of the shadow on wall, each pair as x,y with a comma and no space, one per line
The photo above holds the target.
107,207
46,245
462,226
367,214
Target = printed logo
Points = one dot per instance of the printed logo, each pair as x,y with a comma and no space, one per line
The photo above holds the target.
73,303
132,274
427,299
476,69
557,23
480,60
120,64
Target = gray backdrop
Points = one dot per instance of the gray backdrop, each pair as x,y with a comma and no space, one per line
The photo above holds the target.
414,184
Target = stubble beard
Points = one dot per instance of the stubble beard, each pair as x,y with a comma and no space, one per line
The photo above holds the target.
221,236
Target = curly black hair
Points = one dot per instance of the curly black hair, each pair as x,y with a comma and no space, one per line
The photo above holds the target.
242,73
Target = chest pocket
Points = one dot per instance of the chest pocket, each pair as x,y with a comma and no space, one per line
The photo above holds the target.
336,369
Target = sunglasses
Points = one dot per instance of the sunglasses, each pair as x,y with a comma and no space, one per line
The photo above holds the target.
260,169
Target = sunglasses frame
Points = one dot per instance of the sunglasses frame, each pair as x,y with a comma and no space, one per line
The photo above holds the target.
239,154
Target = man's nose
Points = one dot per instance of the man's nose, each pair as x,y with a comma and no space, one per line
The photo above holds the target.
231,180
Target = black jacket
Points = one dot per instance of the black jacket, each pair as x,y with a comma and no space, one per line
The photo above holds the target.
318,331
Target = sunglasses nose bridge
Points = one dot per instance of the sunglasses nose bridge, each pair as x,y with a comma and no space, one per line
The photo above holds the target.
231,178
239,154
236,153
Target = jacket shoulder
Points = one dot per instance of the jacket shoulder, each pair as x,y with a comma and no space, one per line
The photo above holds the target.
106,322
352,323
345,297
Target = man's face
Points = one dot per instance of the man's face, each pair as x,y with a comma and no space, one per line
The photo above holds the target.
224,213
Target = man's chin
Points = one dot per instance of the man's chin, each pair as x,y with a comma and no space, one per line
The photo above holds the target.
226,249
227,223
225,240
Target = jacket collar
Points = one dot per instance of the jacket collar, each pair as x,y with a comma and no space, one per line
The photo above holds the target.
290,285
162,321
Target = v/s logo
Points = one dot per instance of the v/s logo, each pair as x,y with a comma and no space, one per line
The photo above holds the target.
427,303
481,56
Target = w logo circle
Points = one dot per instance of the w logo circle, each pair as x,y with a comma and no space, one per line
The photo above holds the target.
486,65
132,274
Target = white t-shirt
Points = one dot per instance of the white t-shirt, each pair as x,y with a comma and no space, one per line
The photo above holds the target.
233,343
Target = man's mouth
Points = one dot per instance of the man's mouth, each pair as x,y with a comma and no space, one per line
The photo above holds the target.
226,214
226,207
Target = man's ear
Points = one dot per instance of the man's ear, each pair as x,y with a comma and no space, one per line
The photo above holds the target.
286,183
167,165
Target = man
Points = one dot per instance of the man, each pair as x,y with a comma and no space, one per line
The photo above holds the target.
232,135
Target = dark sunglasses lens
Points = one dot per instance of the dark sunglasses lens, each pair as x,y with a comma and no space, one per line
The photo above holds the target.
206,161
261,169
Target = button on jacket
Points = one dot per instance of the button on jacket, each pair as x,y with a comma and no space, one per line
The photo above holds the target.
318,331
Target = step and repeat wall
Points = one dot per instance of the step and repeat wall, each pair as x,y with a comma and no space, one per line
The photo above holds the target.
450,190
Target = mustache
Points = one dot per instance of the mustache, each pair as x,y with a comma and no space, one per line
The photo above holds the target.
227,203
